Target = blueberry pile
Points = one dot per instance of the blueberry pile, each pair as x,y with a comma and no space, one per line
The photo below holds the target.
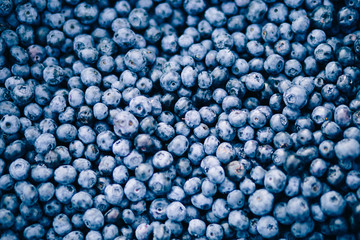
179,119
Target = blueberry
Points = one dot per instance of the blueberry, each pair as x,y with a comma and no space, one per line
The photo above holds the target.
202,202
158,209
342,116
106,64
10,124
274,64
270,33
216,174
293,186
295,97
197,228
86,13
202,131
326,149
134,190
256,119
7,219
254,82
318,167
225,130
304,137
238,220
225,58
46,191
110,231
238,118
330,129
163,11
298,209
275,181
176,211
10,202
352,179
281,214
301,229
253,32
214,231
27,14
293,3
277,13
317,213
6,8
65,174
236,23
35,230
159,183
106,165
176,194
61,224
346,149
176,228
27,192
311,187
267,227
240,67
225,153
169,44
347,17
250,148
193,7
256,11
93,219
261,202
255,48
230,103
162,231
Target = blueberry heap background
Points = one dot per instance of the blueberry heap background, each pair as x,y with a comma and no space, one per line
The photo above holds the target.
179,119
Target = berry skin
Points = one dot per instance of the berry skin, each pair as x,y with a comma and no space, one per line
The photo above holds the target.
295,97
176,211
135,60
65,174
267,227
274,64
311,187
332,203
275,181
61,224
93,219
298,209
125,124
53,75
256,11
196,228
238,220
261,202
44,143
34,231
214,231
7,219
134,190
